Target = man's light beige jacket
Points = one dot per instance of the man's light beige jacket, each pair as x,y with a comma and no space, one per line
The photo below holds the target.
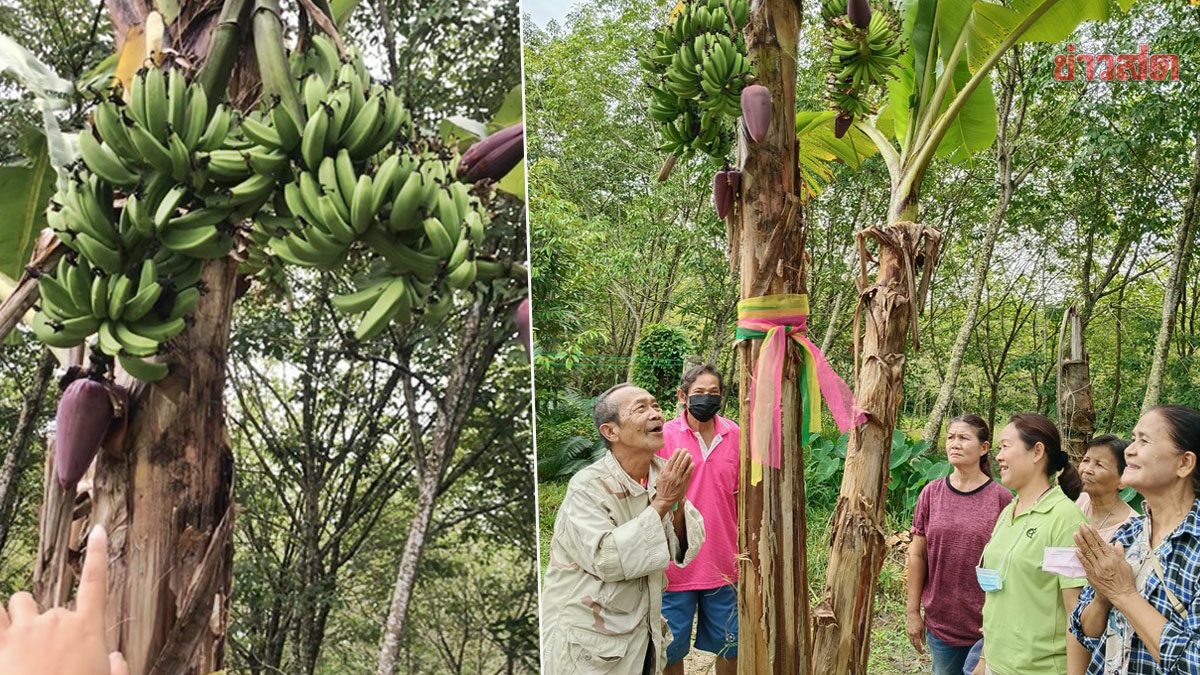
602,594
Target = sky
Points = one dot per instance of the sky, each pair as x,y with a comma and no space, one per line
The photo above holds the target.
542,11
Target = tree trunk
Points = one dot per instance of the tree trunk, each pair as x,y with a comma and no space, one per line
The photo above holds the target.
1008,186
406,578
1076,409
480,340
167,503
835,315
774,631
842,622
933,427
1116,391
30,410
1180,261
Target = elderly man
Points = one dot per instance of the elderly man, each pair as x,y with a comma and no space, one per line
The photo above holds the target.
624,518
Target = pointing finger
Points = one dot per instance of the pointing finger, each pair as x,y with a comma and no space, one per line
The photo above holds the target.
93,582
117,665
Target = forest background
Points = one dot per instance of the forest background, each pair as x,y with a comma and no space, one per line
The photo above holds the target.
1088,198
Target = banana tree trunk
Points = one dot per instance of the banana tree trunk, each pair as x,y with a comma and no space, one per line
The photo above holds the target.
1076,408
164,491
768,246
889,306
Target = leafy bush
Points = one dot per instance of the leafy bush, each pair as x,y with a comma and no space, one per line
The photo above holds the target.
566,438
658,360
910,470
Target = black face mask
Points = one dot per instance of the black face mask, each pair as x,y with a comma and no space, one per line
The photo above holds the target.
704,406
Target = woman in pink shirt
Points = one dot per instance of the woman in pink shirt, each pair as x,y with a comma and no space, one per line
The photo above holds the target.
705,592
952,522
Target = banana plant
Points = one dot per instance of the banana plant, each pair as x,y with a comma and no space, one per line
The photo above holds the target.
939,104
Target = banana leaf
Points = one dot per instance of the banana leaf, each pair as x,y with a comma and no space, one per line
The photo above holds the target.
819,149
24,192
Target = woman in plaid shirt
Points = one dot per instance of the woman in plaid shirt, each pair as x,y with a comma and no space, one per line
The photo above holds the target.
1140,613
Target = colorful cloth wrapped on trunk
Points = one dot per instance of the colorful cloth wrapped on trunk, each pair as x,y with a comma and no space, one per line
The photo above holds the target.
781,320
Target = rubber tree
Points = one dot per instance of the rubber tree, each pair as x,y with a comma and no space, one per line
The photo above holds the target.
1181,260
940,105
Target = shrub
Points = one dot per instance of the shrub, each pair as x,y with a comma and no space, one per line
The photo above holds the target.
658,361
566,438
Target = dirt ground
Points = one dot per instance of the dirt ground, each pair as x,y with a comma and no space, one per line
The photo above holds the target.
891,652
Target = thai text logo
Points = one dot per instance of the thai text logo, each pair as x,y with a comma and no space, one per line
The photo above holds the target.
1137,67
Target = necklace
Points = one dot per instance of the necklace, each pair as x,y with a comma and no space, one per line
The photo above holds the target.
1107,516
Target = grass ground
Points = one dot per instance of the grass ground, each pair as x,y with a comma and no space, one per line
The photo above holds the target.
891,654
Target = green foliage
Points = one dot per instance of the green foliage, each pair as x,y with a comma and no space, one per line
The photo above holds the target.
567,438
820,150
658,361
24,191
910,470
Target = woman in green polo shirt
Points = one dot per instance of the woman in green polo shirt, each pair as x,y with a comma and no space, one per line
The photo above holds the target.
1025,608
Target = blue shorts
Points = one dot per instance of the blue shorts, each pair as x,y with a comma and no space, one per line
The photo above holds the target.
717,629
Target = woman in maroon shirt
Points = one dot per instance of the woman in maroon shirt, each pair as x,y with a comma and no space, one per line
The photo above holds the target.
952,522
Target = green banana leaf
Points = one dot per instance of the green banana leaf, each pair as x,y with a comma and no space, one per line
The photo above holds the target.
988,24
342,9
24,192
952,17
974,128
464,132
991,23
819,149
902,98
514,182
918,23
510,112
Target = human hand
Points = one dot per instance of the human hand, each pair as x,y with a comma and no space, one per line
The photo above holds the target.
916,631
1107,571
61,640
673,481
979,667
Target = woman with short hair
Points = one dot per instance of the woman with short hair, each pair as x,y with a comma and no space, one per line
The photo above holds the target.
1140,613
1101,468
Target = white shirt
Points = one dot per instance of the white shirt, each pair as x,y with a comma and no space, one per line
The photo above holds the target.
706,450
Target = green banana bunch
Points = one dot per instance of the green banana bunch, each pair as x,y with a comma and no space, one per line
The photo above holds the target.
161,127
164,183
831,11
133,315
861,60
139,214
342,110
695,72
